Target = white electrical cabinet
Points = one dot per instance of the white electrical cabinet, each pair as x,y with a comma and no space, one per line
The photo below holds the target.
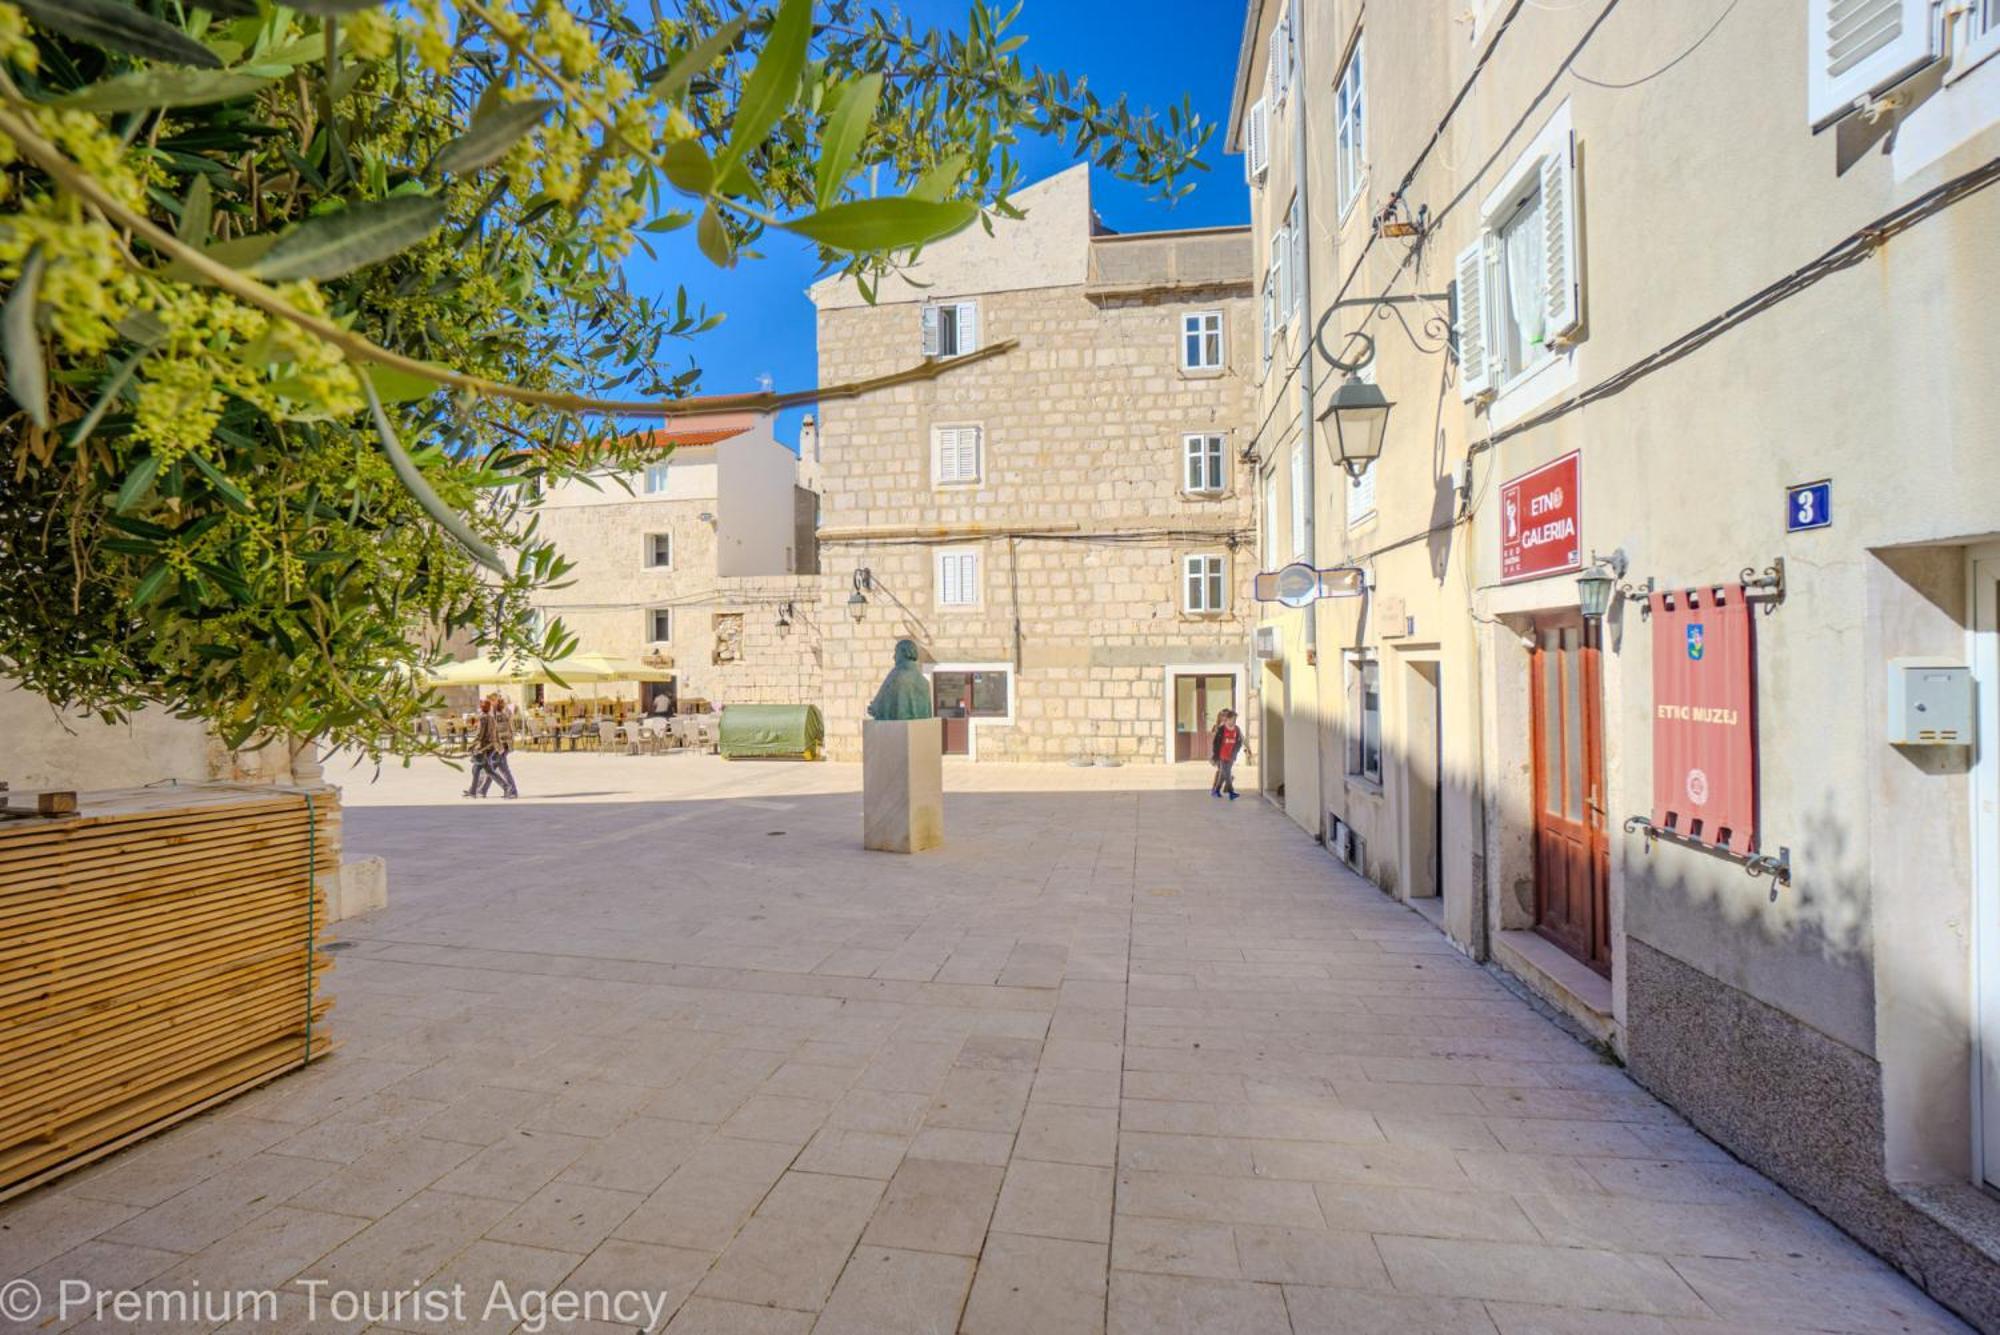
1930,702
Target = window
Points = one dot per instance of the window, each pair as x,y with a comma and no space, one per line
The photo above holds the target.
1207,591
1364,717
656,478
1270,328
1280,276
1349,163
1279,73
1519,293
974,694
1858,48
659,625
659,551
1978,36
1295,234
1360,496
1257,141
1205,465
955,460
951,329
1271,545
1201,341
1300,498
958,577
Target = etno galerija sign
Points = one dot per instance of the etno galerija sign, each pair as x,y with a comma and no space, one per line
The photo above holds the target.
1541,521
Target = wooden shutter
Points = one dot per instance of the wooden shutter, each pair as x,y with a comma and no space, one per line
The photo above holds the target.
933,338
1474,377
1858,47
1564,284
968,327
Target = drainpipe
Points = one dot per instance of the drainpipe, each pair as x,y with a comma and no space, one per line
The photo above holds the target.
1303,170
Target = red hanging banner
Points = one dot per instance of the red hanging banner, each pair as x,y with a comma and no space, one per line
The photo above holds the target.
1705,717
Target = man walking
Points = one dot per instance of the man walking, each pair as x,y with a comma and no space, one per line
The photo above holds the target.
496,736
1224,747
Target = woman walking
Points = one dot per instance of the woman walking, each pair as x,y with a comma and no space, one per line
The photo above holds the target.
495,739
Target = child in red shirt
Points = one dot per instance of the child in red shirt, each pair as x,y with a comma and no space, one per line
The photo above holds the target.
1224,747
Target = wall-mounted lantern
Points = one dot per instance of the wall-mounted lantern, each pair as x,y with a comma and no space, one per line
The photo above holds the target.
857,602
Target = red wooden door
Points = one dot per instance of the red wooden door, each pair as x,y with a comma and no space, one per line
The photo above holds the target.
1572,846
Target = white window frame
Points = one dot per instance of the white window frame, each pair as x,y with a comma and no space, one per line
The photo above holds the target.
1349,126
1546,165
646,554
652,624
1206,329
1833,94
1257,142
1270,515
656,478
948,573
1205,579
963,327
1281,276
1278,73
1301,499
1358,661
1295,236
1269,305
1976,38
947,468
1205,463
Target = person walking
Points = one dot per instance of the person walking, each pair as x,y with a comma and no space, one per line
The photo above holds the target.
496,730
1224,747
483,737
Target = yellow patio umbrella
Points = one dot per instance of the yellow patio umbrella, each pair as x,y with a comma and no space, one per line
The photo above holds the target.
577,668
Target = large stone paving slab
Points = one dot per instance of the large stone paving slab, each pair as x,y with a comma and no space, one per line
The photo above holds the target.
1117,1058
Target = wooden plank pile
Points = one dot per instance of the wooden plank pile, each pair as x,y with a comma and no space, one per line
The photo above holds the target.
157,956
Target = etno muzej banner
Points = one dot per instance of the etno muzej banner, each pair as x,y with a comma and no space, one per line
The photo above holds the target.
1705,716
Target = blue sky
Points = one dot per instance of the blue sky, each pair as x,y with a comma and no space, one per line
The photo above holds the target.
1183,46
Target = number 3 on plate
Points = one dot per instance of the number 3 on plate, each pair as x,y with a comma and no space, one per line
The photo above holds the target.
1809,505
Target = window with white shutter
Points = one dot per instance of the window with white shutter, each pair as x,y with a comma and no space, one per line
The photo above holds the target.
1856,48
1280,73
659,625
1270,307
958,577
955,455
1349,164
1301,498
1204,465
659,551
1257,141
1520,287
951,328
1204,585
1977,38
1271,544
1474,376
1295,234
656,478
1281,275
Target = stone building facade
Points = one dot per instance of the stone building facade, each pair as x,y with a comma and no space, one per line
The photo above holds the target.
1061,527
1674,278
700,562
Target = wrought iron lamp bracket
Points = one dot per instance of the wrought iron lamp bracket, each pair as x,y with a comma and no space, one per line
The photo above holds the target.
1437,326
1778,867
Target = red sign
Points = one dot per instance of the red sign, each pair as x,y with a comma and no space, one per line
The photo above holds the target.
1705,716
1541,521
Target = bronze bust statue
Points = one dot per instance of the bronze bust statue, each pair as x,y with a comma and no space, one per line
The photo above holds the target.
905,693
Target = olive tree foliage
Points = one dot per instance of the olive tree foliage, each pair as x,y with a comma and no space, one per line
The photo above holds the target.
301,301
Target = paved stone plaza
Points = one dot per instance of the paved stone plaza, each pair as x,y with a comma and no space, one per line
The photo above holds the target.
1118,1056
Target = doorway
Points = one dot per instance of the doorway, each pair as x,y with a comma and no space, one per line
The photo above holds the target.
1271,737
1986,850
961,695
1199,699
1423,796
1572,846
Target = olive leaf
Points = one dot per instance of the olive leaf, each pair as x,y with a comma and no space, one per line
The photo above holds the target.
119,27
493,131
147,89
772,83
713,238
699,57
892,223
413,481
846,127
359,235
27,373
197,213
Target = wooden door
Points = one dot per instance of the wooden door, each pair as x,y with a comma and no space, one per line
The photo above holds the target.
1572,846
952,703
1199,699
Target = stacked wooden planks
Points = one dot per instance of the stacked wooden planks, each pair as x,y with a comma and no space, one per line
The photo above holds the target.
157,955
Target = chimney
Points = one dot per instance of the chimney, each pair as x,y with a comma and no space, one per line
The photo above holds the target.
809,438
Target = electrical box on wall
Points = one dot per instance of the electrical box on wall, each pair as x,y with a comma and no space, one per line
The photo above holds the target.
1930,702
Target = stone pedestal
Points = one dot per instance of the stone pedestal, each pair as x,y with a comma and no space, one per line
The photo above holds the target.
902,784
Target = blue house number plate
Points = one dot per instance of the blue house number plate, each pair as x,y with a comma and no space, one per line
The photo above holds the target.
1809,505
